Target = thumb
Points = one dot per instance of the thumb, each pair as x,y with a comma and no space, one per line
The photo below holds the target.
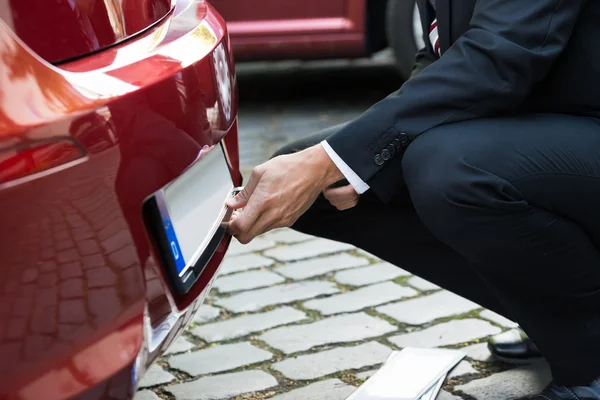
241,199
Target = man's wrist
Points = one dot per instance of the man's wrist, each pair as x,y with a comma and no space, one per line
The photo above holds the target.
329,172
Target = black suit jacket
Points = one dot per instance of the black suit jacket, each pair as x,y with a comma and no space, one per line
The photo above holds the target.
498,57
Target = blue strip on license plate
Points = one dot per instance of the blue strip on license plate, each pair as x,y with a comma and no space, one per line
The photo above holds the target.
180,262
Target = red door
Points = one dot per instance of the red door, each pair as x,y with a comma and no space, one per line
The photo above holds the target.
275,29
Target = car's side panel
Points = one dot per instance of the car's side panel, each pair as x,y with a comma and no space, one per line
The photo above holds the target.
81,287
266,29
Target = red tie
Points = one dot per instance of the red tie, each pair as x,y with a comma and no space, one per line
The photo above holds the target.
434,37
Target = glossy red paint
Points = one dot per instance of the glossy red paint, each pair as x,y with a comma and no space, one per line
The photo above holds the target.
60,29
84,303
310,29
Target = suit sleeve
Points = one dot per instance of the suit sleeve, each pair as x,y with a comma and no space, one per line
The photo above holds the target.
510,47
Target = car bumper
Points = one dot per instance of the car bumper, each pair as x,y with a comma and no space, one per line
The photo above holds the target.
85,305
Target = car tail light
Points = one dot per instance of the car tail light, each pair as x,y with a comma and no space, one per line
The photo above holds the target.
31,158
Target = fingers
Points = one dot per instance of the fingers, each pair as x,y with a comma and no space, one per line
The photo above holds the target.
342,198
339,193
242,198
346,206
263,224
245,221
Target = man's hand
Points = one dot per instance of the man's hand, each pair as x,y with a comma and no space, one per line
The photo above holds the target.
280,191
342,198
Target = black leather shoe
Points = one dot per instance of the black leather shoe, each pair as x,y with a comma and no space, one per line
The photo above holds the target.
514,347
557,392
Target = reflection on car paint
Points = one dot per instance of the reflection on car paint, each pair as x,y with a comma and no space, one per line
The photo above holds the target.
81,288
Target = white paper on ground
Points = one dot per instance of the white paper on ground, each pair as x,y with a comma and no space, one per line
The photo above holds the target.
408,374
432,393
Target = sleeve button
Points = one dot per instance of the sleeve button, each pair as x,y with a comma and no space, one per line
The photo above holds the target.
391,149
385,154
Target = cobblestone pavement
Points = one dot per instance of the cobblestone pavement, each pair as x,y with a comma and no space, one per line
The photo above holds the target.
292,317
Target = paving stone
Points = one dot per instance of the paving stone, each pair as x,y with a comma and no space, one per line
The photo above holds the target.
443,395
243,263
218,358
242,326
463,368
508,385
453,332
422,284
206,313
360,298
363,376
320,266
258,244
370,274
478,352
499,319
312,248
316,365
180,345
339,329
331,389
254,300
428,308
223,386
247,280
155,376
146,395
287,236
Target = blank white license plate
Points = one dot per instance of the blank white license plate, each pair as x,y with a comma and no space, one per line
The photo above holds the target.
192,208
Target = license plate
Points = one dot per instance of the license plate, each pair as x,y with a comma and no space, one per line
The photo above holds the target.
186,217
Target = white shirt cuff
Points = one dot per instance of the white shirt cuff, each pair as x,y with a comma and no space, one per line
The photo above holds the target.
358,184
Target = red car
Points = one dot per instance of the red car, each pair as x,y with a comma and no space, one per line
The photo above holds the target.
312,29
118,148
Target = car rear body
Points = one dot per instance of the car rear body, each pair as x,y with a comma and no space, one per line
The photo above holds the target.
88,135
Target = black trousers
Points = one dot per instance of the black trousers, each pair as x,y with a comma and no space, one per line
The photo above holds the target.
504,212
